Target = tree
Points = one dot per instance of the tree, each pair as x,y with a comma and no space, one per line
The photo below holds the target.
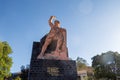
106,65
5,60
17,78
24,72
81,63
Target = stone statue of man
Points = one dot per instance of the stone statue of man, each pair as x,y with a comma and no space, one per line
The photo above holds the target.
54,34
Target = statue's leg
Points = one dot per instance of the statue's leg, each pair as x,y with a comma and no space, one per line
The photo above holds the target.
59,43
44,47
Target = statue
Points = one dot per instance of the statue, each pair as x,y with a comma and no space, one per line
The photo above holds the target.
49,60
56,34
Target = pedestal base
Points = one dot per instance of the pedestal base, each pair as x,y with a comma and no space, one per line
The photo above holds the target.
44,69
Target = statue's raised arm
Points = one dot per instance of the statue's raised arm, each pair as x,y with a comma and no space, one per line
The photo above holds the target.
51,20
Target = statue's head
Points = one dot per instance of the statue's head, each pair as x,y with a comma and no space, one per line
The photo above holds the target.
57,23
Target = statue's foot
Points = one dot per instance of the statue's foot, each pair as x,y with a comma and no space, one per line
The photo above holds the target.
40,57
55,53
58,50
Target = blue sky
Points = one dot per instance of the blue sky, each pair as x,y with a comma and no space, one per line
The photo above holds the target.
92,26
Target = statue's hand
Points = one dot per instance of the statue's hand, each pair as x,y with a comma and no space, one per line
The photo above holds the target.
53,17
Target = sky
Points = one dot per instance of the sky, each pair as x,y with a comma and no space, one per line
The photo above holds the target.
92,26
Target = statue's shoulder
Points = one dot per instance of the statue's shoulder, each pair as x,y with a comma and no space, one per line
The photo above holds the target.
63,29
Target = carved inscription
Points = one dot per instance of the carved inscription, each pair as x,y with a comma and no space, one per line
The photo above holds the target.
53,71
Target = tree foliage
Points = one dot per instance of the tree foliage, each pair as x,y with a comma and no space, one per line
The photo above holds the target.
81,63
25,71
5,60
106,65
17,78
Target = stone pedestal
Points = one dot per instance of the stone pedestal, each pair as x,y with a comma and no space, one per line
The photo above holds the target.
52,70
45,69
